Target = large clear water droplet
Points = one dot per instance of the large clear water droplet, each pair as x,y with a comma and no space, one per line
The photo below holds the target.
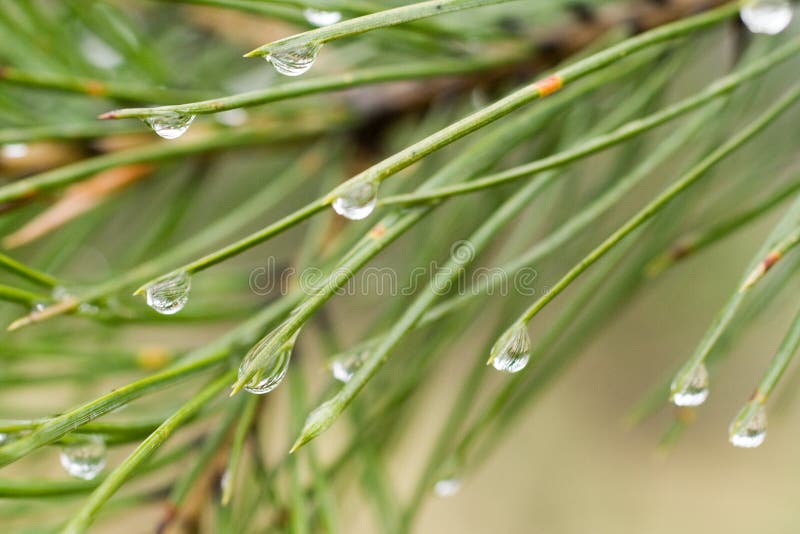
320,18
694,389
749,428
766,16
358,201
512,350
169,124
5,438
291,61
170,295
272,369
84,458
447,487
345,364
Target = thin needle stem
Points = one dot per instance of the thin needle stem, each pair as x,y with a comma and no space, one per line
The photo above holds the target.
322,84
636,127
86,515
29,273
654,206
373,21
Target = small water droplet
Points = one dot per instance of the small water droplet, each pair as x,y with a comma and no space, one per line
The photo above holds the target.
447,487
694,389
224,481
88,309
345,364
766,16
512,350
749,428
358,201
99,53
5,438
343,369
14,150
232,117
478,98
84,458
169,124
38,307
294,61
169,296
272,369
61,293
320,18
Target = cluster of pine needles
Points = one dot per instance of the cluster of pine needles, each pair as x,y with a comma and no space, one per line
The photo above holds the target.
539,162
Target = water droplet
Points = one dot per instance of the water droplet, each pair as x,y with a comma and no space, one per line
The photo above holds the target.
38,307
225,481
345,364
478,98
319,18
169,296
272,369
232,117
749,428
512,350
694,389
766,16
14,150
5,438
88,309
358,201
60,293
294,61
169,124
84,458
99,53
447,487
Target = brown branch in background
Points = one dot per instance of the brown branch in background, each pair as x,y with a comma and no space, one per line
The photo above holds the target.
186,518
78,199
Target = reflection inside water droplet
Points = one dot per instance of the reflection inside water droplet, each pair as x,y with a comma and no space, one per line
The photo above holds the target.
291,61
749,432
358,201
512,351
169,296
85,458
320,18
169,124
273,366
694,390
345,364
766,16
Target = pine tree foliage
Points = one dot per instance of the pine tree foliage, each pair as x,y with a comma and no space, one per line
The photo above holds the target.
316,236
